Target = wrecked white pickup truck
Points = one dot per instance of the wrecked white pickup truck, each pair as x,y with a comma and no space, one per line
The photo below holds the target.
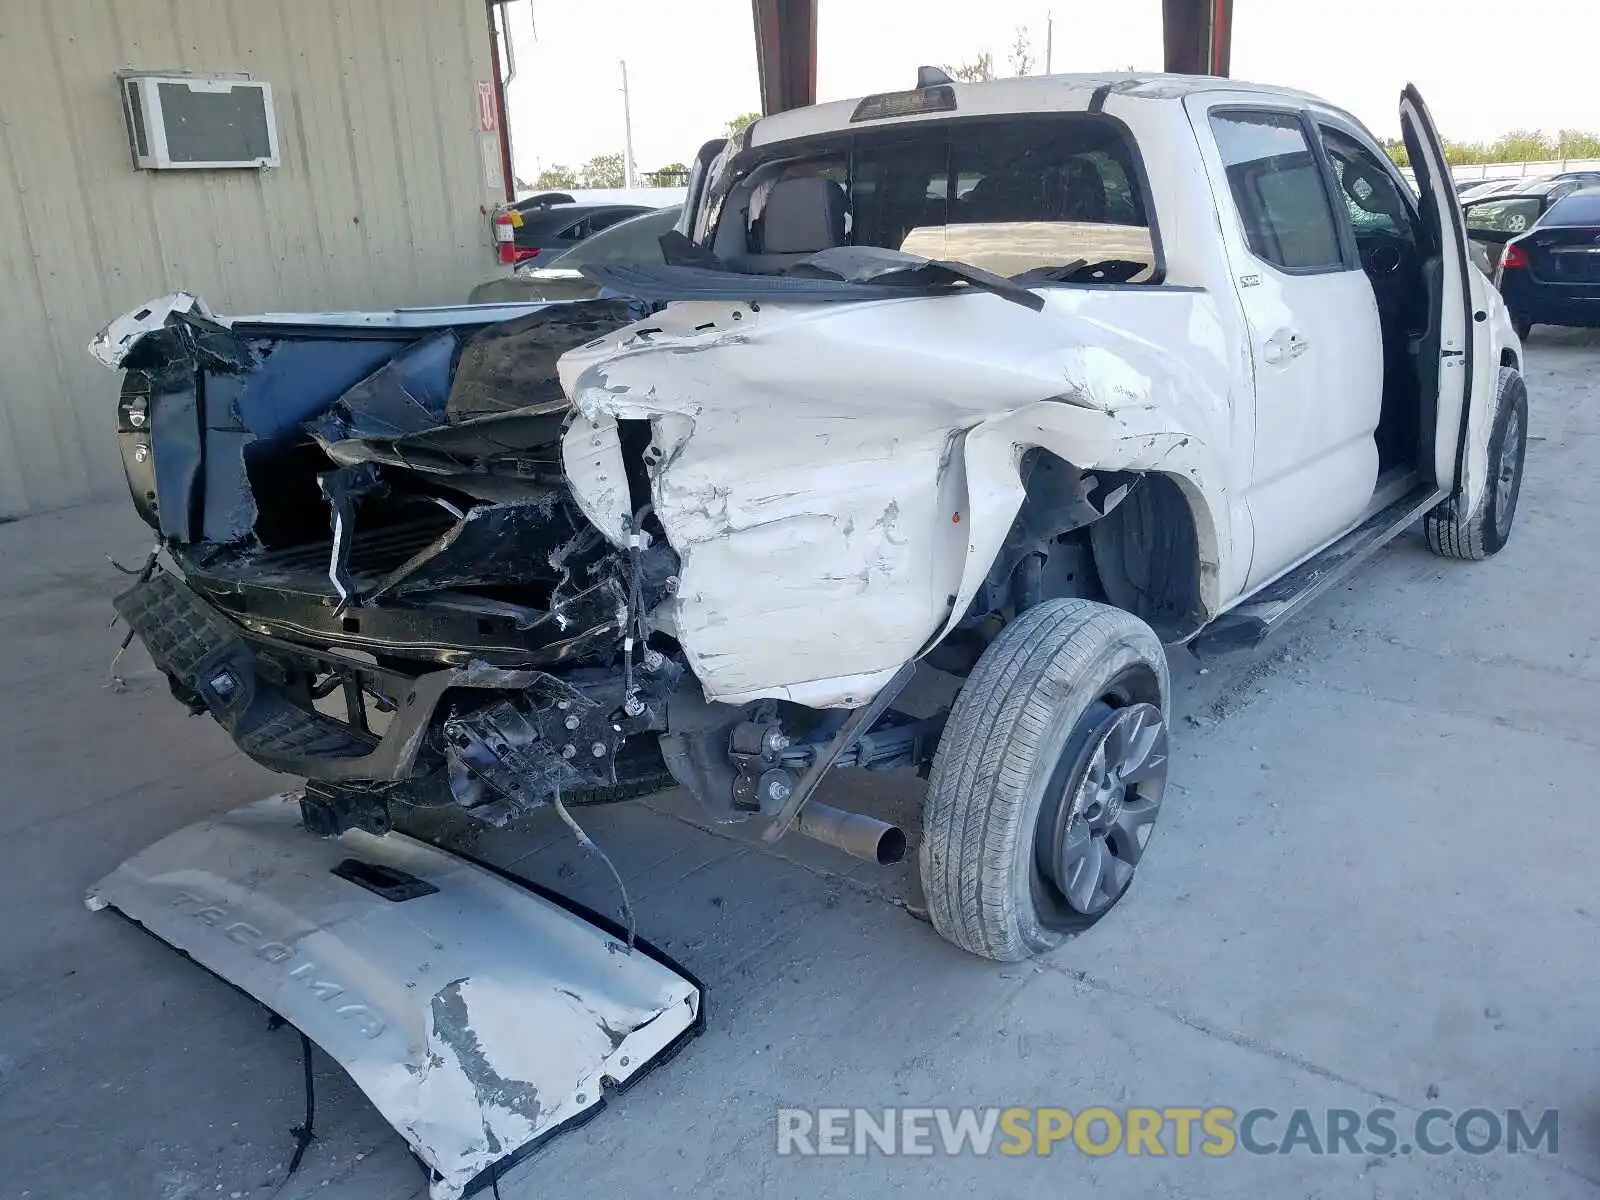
1018,381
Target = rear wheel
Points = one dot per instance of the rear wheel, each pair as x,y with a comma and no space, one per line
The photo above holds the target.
1048,780
1522,327
1487,528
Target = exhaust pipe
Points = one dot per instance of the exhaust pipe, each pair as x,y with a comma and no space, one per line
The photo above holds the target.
857,835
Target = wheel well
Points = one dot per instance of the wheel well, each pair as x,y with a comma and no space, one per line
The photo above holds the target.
1508,358
1123,537
1147,554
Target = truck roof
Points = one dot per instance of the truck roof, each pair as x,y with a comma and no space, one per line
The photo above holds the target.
1026,94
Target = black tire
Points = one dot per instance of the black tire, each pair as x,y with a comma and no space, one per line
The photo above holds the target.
1487,528
1015,753
1522,327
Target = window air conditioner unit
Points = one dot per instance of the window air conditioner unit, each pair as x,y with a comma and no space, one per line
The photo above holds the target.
178,122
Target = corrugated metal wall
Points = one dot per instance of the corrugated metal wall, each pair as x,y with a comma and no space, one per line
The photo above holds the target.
378,201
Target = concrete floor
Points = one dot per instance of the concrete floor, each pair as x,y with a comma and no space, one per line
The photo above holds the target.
1373,885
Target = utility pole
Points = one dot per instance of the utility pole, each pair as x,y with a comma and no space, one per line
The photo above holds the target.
627,129
1049,38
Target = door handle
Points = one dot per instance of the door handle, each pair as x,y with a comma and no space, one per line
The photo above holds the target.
1284,346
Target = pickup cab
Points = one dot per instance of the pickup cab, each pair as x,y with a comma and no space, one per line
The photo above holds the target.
1012,384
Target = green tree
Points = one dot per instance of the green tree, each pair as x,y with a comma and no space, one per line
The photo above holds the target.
977,70
1517,146
1396,150
555,177
604,171
672,175
739,123
1577,143
1522,145
1022,52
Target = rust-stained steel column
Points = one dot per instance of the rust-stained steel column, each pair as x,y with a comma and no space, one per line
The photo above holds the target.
1197,35
786,53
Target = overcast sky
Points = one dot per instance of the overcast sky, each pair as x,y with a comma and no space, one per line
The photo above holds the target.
1485,66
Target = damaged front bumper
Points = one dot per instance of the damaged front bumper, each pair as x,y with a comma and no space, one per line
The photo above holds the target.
479,1016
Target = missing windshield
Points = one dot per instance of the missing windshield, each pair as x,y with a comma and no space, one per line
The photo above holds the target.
1045,199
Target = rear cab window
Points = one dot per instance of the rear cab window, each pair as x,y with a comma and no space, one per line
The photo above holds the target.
1044,197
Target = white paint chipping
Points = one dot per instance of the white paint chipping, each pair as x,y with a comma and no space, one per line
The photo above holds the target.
836,478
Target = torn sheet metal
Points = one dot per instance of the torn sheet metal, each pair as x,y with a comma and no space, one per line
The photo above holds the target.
404,395
838,479
511,366
477,1016
112,344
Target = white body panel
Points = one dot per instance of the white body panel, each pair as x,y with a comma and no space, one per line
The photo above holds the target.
1317,347
837,478
475,1018
1471,348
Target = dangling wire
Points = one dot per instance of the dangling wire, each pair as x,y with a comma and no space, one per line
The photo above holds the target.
632,619
114,681
589,844
304,1132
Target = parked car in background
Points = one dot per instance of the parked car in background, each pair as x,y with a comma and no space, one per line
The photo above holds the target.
1482,188
531,227
635,240
1493,220
1550,275
1525,184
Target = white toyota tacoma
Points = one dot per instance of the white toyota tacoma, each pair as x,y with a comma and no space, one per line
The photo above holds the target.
1019,382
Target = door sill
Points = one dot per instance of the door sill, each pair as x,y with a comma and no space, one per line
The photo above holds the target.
1397,503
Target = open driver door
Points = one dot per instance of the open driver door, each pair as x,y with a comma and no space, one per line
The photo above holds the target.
1452,357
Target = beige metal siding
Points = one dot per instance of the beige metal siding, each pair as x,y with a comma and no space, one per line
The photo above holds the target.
379,199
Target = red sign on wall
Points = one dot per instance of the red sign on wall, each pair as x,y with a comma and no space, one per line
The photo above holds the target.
488,112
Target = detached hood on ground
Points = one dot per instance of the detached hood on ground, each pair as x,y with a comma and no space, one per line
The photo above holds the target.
478,1016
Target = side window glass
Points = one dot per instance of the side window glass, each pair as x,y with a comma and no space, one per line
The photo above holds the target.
1278,190
1369,192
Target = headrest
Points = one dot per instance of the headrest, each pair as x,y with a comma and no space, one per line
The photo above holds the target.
802,215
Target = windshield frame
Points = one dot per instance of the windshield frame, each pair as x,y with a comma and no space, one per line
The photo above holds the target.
840,140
